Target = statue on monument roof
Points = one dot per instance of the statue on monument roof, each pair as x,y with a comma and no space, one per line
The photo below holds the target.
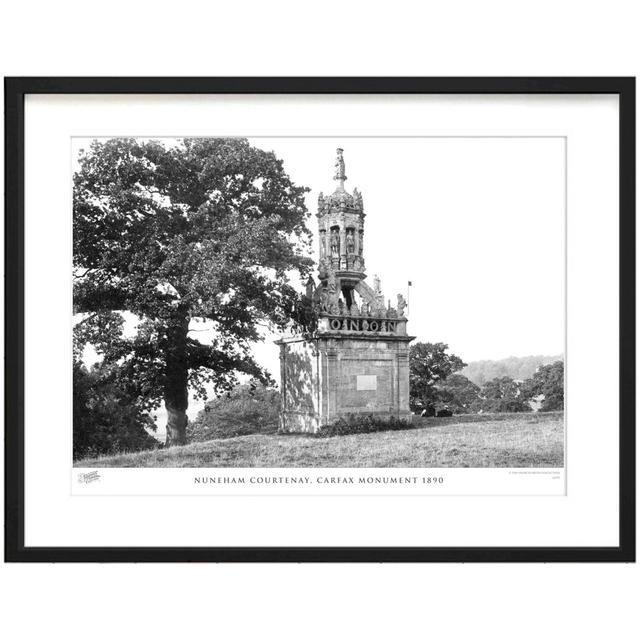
402,304
377,286
340,174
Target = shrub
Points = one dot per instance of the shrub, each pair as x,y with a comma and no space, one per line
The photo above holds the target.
107,419
246,409
358,423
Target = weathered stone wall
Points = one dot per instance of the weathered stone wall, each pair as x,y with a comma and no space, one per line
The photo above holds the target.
299,385
365,376
334,376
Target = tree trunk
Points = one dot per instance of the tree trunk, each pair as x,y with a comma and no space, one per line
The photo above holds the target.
176,395
176,424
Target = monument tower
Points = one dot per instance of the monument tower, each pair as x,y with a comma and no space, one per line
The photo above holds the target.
356,359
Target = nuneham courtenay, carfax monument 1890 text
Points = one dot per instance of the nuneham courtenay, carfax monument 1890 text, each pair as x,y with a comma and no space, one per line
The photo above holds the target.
356,361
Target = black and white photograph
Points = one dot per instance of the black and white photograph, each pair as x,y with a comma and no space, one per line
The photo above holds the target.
351,309
320,320
351,302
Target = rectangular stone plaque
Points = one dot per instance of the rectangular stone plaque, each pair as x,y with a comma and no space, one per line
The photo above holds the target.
366,383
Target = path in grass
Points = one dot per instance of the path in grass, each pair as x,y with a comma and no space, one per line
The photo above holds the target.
507,440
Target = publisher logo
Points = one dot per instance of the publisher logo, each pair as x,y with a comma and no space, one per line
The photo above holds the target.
90,476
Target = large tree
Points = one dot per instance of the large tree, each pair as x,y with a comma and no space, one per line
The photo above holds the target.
504,395
202,234
429,367
459,394
548,381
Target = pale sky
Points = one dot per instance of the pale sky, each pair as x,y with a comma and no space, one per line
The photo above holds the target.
477,225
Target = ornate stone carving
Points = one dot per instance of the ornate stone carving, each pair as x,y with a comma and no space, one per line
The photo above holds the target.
332,285
373,331
340,200
323,268
310,288
374,301
323,299
335,243
377,285
332,294
351,241
402,305
340,174
342,249
357,198
355,263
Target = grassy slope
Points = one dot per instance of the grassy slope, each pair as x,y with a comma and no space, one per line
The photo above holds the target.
502,440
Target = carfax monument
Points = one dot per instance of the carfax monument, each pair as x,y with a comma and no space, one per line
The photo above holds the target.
356,360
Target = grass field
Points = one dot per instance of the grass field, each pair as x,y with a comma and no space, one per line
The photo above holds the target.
497,440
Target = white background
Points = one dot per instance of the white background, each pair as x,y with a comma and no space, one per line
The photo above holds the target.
587,516
456,38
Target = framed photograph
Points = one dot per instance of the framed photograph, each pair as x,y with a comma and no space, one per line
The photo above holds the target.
320,319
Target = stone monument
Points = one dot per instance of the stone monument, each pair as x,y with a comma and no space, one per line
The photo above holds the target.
356,358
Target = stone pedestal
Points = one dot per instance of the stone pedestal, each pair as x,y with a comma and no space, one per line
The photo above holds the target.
333,376
357,362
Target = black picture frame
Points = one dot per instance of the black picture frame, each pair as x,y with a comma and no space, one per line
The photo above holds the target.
15,91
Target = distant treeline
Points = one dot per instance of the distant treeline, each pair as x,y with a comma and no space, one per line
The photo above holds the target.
437,386
516,368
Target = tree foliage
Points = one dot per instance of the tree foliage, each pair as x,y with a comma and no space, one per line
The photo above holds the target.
504,395
460,395
429,366
548,381
106,419
516,367
435,385
202,234
246,409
